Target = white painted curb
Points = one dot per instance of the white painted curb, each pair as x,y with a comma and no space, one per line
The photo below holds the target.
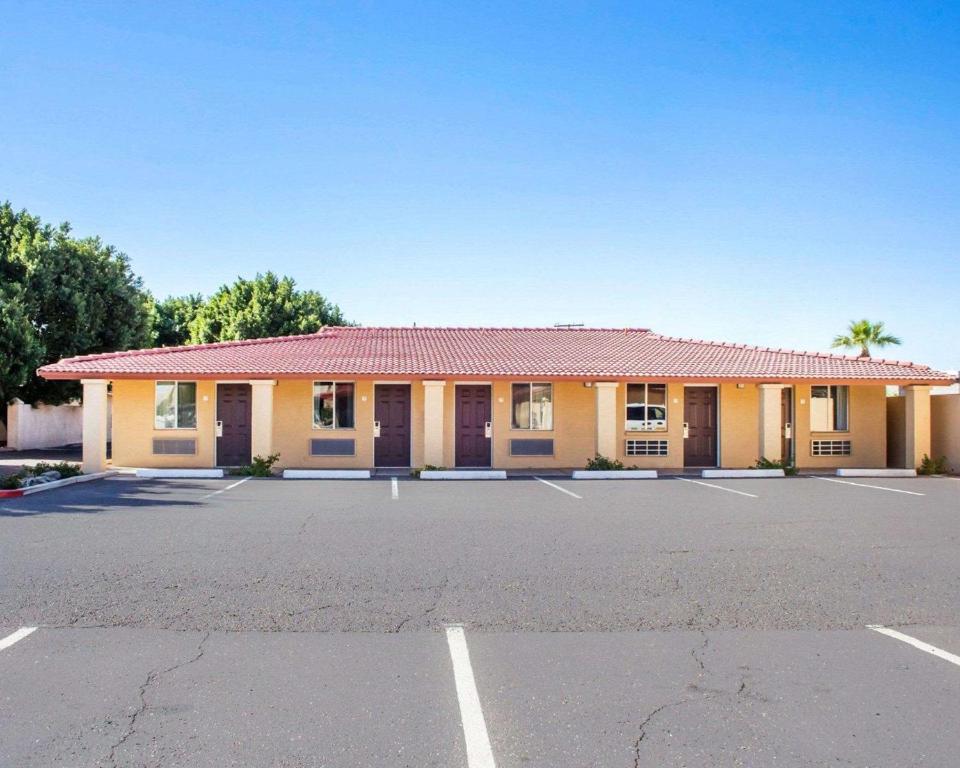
68,481
622,474
326,474
876,473
180,473
732,473
463,474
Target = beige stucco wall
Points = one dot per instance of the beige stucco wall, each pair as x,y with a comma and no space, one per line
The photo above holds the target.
867,433
739,425
133,427
416,422
449,423
917,416
945,429
574,432
673,433
293,426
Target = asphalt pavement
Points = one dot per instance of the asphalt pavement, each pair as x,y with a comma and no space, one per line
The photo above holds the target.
307,623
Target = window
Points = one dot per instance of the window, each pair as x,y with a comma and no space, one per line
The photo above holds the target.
533,406
333,405
176,405
829,408
646,407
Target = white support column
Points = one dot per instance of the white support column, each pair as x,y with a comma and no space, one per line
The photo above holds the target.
917,425
433,422
261,417
94,425
771,445
606,418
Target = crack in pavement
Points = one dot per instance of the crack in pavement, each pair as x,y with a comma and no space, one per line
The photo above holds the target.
439,589
708,695
695,652
642,732
307,520
643,728
152,677
637,745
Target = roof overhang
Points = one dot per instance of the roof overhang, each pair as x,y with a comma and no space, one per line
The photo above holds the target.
234,375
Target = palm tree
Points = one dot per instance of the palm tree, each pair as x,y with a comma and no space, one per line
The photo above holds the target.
863,334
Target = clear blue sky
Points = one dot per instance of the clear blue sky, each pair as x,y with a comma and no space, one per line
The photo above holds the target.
759,172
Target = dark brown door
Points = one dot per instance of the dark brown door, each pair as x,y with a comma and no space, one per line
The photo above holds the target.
700,414
233,424
392,410
473,415
786,424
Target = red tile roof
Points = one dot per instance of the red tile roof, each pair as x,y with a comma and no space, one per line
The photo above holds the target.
577,353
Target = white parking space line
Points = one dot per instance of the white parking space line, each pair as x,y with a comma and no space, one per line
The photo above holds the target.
394,489
16,637
233,485
919,644
557,487
718,487
864,485
479,753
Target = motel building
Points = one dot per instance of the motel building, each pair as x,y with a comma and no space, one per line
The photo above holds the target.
507,398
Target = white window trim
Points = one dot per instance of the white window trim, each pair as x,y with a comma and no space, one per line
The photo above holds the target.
666,407
810,413
176,405
553,403
334,427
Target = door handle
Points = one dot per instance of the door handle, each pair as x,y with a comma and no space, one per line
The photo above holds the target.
686,430
376,429
788,430
219,429
488,430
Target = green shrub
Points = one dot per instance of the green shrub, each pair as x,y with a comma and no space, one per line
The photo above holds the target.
260,466
11,482
425,468
785,465
930,466
65,468
602,464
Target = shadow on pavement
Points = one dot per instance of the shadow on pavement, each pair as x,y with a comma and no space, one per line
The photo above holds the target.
90,499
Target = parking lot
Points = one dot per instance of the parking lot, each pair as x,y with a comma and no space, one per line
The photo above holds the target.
533,622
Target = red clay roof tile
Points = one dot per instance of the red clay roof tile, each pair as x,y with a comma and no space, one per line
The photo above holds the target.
580,353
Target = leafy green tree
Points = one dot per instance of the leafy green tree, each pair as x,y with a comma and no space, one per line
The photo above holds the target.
20,349
266,306
172,318
863,334
61,297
